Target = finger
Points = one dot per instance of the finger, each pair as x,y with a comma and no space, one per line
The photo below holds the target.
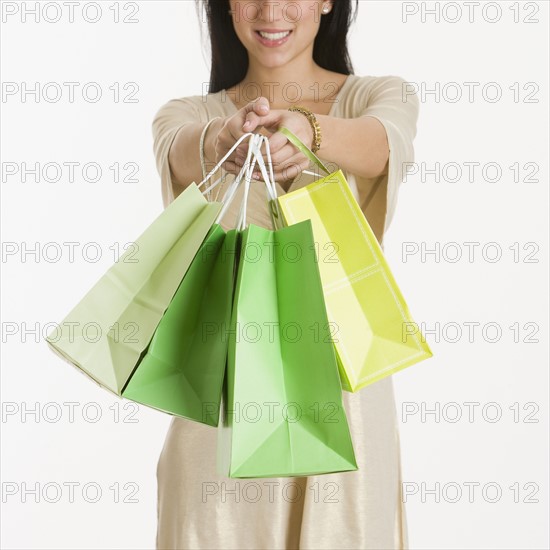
258,107
277,141
231,167
291,168
253,120
226,140
261,106
287,155
242,150
284,155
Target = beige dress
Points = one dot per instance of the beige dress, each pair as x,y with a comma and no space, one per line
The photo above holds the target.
197,508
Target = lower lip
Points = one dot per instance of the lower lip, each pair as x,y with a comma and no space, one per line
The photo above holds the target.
272,43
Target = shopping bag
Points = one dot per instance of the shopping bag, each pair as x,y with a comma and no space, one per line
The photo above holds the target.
376,335
283,410
183,368
107,331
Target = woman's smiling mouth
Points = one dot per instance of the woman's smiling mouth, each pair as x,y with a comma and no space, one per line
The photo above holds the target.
272,38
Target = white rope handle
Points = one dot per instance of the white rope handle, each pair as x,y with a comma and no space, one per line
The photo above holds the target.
254,150
269,180
243,173
254,156
218,166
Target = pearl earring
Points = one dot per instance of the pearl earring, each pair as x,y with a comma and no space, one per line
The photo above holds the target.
326,9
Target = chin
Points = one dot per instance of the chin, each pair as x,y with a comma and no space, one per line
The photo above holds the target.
273,61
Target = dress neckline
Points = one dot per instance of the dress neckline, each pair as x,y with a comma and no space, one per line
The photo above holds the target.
335,101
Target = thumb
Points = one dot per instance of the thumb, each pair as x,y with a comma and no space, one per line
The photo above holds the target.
260,106
254,112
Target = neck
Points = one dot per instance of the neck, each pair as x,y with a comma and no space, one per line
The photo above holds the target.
283,85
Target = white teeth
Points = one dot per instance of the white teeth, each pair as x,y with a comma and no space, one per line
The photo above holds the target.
274,35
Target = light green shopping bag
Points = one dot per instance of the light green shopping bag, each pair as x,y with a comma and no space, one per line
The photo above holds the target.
183,369
283,410
376,335
108,331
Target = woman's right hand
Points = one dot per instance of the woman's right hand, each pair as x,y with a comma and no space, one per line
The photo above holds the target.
224,132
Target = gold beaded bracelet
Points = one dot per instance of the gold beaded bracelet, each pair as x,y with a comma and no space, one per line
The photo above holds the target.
316,144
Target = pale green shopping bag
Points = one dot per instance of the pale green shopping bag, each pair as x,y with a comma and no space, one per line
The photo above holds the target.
375,333
109,329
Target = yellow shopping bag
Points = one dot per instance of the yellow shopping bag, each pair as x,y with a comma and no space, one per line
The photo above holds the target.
372,329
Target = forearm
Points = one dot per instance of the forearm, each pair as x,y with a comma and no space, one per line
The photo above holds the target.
357,145
184,158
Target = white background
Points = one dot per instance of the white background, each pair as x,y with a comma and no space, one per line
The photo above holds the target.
162,53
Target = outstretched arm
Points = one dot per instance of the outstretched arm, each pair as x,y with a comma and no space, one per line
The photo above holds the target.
386,116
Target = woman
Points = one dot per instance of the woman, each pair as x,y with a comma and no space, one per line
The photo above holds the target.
288,54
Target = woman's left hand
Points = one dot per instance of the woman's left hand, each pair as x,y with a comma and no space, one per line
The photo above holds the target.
288,161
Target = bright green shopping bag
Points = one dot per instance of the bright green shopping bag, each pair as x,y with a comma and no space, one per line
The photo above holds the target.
183,369
107,332
376,335
283,411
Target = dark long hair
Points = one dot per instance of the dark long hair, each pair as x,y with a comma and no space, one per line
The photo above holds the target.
230,58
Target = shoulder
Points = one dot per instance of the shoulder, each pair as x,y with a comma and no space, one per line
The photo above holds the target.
367,85
364,92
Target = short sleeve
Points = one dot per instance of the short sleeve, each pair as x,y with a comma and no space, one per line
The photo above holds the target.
167,121
392,101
